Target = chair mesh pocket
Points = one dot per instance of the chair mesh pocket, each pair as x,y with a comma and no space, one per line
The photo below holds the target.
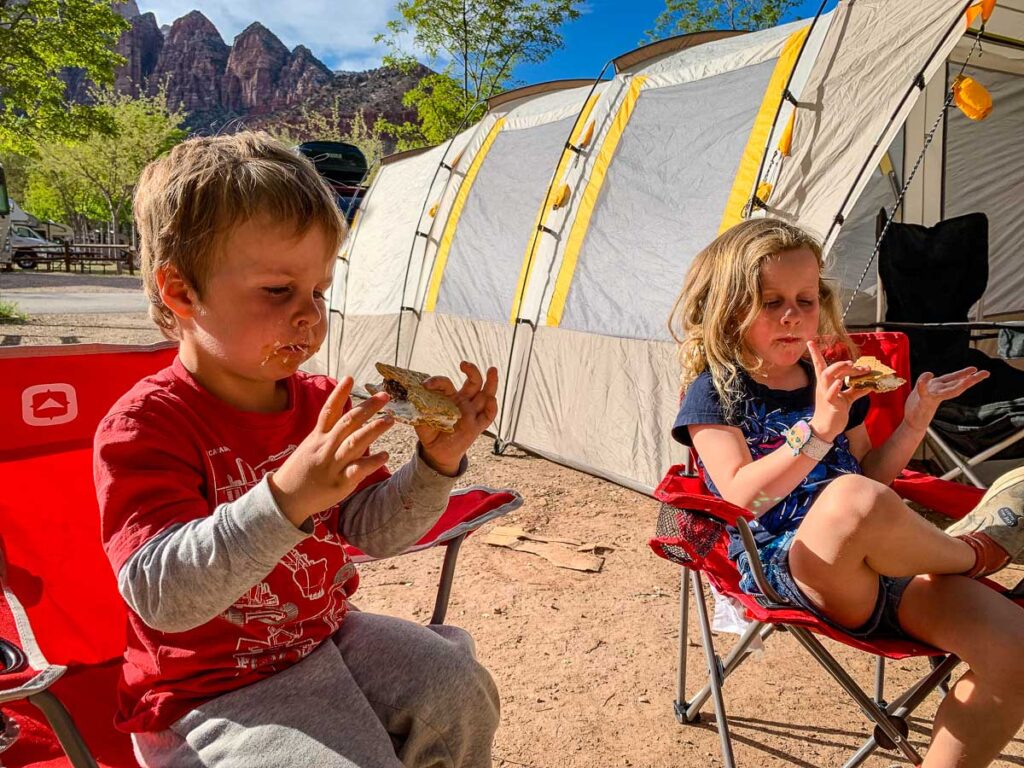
686,537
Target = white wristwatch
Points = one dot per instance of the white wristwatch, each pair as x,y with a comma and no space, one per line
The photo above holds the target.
801,439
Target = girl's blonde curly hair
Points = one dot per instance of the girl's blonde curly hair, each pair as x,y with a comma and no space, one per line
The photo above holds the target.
721,297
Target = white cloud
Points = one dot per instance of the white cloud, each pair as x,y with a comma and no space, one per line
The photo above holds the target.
340,34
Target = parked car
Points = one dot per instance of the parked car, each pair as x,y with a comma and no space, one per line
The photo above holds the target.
24,243
343,167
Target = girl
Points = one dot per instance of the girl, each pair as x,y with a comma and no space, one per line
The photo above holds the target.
778,433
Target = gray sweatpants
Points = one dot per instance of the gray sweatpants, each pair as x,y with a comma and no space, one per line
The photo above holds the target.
385,693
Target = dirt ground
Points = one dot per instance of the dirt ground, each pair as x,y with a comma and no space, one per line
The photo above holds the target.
585,661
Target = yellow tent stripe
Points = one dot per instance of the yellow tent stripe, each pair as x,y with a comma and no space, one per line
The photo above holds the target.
743,183
527,269
588,201
453,218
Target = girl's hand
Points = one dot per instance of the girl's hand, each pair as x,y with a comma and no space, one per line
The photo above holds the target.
476,402
832,402
332,460
931,391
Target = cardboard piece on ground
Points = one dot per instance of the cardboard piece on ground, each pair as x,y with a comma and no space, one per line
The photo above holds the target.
555,551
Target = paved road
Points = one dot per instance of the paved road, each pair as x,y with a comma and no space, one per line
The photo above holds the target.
73,303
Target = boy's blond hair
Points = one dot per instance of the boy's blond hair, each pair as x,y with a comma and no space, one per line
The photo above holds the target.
721,298
189,199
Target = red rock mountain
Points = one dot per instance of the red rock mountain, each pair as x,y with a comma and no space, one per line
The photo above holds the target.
256,80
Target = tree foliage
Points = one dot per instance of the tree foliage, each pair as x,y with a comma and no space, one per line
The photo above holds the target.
39,39
93,178
442,107
479,43
682,16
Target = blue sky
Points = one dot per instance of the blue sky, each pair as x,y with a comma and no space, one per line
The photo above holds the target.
340,32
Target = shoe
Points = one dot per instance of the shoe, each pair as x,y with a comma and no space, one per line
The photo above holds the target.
999,516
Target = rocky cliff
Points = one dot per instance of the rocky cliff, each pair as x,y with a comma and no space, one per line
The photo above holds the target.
254,81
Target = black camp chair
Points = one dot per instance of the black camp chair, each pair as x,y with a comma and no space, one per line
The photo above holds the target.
934,275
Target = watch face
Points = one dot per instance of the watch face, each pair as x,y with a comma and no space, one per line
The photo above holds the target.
798,435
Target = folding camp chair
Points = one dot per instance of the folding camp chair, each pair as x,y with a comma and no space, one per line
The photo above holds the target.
62,622
691,531
932,276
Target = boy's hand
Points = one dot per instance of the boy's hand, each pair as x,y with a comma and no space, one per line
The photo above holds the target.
832,402
931,391
331,462
443,451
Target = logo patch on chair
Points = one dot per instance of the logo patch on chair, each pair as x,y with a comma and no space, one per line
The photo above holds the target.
47,405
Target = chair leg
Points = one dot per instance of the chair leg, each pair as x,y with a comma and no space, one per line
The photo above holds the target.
714,670
679,705
880,682
961,467
907,703
444,586
989,452
737,656
64,728
944,683
872,711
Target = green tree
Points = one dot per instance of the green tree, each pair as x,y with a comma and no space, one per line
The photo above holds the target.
94,177
480,42
16,166
38,39
682,16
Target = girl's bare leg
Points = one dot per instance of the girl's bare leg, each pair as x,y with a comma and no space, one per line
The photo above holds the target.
856,530
985,708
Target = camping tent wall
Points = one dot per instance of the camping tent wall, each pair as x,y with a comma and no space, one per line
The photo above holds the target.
382,253
670,136
850,113
981,172
984,171
602,382
469,297
848,257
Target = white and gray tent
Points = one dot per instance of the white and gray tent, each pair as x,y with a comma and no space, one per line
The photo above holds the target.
551,238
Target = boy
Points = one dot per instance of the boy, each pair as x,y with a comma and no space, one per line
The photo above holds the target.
228,482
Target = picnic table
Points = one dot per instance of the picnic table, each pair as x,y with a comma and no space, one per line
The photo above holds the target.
76,254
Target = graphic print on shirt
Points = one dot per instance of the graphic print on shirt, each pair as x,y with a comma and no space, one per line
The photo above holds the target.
279,650
763,429
260,604
306,589
247,476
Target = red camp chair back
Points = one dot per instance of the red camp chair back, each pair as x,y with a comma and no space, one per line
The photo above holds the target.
886,413
50,406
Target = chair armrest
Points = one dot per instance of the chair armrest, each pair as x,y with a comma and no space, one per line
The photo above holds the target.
686,491
467,510
18,680
953,500
756,569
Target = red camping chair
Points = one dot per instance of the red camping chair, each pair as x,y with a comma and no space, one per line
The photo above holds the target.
691,532
62,621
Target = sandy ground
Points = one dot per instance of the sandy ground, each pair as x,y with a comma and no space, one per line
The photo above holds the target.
585,661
